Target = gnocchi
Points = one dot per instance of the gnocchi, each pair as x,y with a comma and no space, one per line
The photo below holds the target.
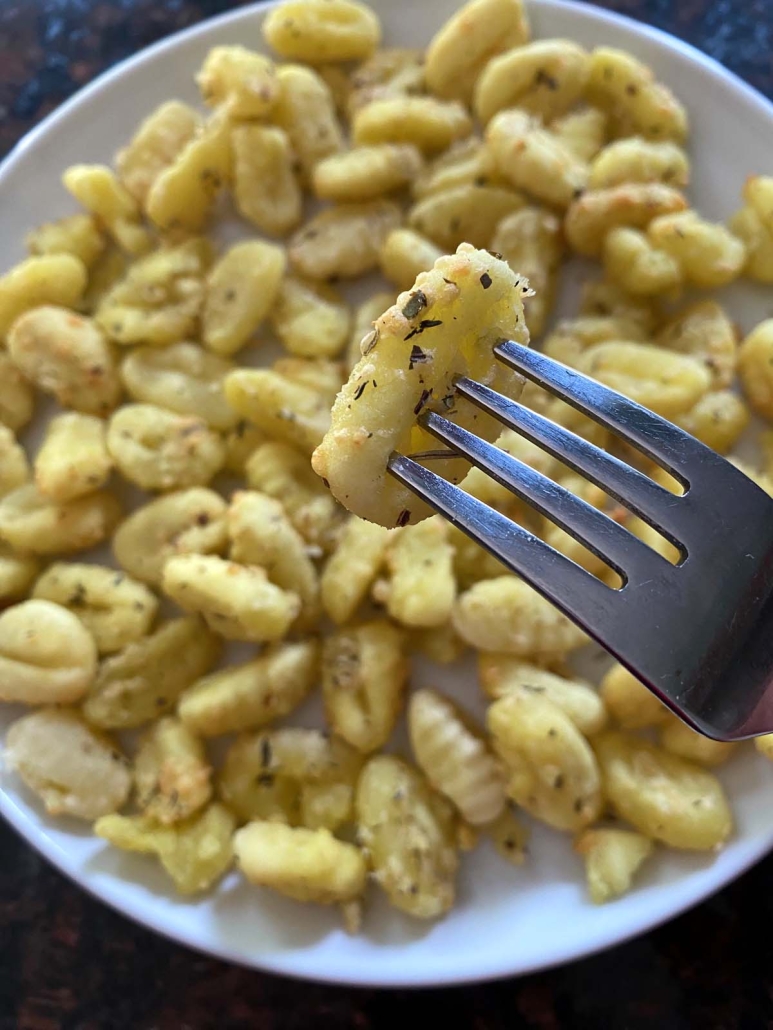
261,534
626,88
633,205
343,241
352,568
458,53
551,769
159,300
306,112
704,331
145,679
241,290
321,31
364,673
468,213
502,674
663,796
183,194
100,191
454,758
17,573
17,400
73,769
709,254
171,773
183,378
51,280
427,123
505,614
404,255
421,590
73,459
366,173
67,355
310,319
77,235
116,610
534,160
755,370
183,522
546,77
157,142
667,382
250,695
530,240
292,775
32,522
237,601
266,189
195,853
307,865
159,450
14,466
239,80
612,859
639,160
412,374
282,472
46,655
408,834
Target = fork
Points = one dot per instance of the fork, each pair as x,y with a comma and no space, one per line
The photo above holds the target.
699,633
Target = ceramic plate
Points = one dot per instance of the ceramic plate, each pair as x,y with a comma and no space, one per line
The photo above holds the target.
508,921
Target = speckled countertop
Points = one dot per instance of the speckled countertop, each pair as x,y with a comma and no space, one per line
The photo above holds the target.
68,962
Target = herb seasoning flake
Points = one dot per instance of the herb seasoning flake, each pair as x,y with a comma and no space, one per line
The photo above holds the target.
418,357
416,303
426,323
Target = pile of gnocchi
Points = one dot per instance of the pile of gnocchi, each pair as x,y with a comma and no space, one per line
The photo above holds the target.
467,175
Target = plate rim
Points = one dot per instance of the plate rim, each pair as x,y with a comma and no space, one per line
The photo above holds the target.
292,964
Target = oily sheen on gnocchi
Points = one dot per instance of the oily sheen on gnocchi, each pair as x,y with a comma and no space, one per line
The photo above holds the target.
220,418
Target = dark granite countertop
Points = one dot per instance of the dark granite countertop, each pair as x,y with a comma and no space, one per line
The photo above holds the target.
68,962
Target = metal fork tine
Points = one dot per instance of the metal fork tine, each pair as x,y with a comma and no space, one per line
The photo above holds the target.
613,544
579,595
627,485
661,441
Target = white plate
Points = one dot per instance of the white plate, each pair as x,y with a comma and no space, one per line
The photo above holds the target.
507,921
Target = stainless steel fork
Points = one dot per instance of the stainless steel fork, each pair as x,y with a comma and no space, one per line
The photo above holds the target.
699,634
